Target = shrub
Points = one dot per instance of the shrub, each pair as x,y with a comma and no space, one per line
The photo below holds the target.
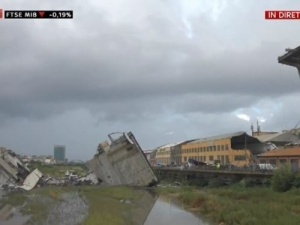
247,182
199,182
267,182
187,197
215,182
238,217
283,179
297,182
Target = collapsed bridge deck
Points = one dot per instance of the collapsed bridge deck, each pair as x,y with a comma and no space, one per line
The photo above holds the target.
122,163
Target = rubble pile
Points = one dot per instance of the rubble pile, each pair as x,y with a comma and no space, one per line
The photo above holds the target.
12,170
122,162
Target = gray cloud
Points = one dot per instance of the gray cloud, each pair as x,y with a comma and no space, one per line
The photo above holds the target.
157,61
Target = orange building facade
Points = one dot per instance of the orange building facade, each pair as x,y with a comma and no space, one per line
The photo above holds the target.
281,156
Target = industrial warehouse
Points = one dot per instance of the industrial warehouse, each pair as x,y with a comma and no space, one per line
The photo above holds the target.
238,149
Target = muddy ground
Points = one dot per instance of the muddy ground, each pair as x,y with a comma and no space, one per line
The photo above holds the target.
79,206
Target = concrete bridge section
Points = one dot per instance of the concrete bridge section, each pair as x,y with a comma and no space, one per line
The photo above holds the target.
202,177
291,58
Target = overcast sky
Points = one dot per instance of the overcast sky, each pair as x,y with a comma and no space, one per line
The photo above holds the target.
167,70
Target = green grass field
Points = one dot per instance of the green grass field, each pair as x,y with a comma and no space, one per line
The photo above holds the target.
238,205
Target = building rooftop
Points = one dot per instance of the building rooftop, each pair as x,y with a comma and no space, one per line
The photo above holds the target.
171,145
219,137
279,137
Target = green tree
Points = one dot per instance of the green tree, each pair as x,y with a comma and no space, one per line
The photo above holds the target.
283,178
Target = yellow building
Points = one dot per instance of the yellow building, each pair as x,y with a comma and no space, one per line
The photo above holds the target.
235,149
163,154
170,153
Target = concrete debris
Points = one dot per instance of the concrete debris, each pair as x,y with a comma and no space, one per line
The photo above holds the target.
90,179
31,180
122,163
12,169
54,181
72,179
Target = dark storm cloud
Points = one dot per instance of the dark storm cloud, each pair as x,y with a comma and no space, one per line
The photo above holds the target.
102,75
169,63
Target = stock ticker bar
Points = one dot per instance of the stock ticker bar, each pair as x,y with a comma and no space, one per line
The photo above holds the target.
41,14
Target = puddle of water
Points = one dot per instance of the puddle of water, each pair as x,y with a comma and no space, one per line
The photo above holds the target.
11,216
168,212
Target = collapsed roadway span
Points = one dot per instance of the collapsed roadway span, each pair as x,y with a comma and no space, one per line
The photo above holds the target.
291,58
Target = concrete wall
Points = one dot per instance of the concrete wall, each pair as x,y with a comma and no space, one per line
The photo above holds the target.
123,163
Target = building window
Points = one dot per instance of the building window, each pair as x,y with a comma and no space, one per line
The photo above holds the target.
201,149
227,159
204,149
295,163
215,148
263,161
184,159
211,158
218,147
272,161
239,158
282,161
222,147
204,158
226,147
